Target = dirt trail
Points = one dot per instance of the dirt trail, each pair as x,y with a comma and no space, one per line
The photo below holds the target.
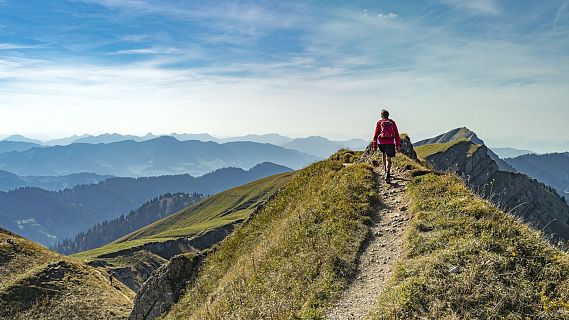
105,279
380,251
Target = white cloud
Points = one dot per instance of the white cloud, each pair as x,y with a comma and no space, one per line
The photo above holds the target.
485,7
388,15
12,46
147,51
351,63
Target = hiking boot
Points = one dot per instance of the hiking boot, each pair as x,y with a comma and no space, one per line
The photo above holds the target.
388,178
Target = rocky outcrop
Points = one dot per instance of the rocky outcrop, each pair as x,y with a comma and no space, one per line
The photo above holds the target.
517,193
165,249
468,160
212,237
465,133
165,286
406,149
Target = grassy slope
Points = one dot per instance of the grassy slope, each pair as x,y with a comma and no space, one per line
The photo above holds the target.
507,269
427,150
294,256
215,211
41,284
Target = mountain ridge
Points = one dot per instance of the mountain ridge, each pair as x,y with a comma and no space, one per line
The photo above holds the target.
45,216
525,197
159,156
550,168
465,133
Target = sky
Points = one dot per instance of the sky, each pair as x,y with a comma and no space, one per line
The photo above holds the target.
299,68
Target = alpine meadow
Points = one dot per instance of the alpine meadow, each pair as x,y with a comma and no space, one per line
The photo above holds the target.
251,160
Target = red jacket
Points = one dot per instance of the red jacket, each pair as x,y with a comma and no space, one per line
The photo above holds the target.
379,140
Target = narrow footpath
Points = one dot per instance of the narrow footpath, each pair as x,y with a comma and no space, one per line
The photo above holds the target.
381,250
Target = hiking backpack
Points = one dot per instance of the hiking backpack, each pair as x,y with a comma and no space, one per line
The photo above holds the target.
387,129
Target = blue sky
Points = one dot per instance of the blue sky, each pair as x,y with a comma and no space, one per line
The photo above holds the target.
293,67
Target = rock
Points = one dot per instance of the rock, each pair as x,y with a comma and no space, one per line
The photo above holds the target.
126,276
165,286
407,147
455,270
514,192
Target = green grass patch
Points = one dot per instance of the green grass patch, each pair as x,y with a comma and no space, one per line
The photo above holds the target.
291,259
506,270
216,211
428,150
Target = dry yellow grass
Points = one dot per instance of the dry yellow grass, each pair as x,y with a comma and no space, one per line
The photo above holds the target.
293,257
501,268
39,284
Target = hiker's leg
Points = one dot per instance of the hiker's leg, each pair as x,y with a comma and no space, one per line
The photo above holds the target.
384,163
389,165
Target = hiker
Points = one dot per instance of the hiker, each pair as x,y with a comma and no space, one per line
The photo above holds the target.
111,279
386,138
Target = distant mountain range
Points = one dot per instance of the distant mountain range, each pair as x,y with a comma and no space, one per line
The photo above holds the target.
315,145
21,138
551,169
507,152
10,181
9,146
108,231
535,144
49,216
159,156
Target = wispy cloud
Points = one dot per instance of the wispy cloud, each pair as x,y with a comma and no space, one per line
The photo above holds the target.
146,51
561,12
486,7
12,46
250,64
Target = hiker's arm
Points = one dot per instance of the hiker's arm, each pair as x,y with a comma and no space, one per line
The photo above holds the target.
397,137
375,135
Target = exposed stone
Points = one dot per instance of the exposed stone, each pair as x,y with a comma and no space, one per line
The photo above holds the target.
165,249
513,192
407,147
455,270
165,287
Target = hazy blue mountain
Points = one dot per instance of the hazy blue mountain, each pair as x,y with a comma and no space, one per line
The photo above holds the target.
195,136
354,144
66,140
50,216
8,146
551,169
10,181
160,156
113,137
510,152
111,230
21,138
272,138
323,147
317,146
223,179
550,145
